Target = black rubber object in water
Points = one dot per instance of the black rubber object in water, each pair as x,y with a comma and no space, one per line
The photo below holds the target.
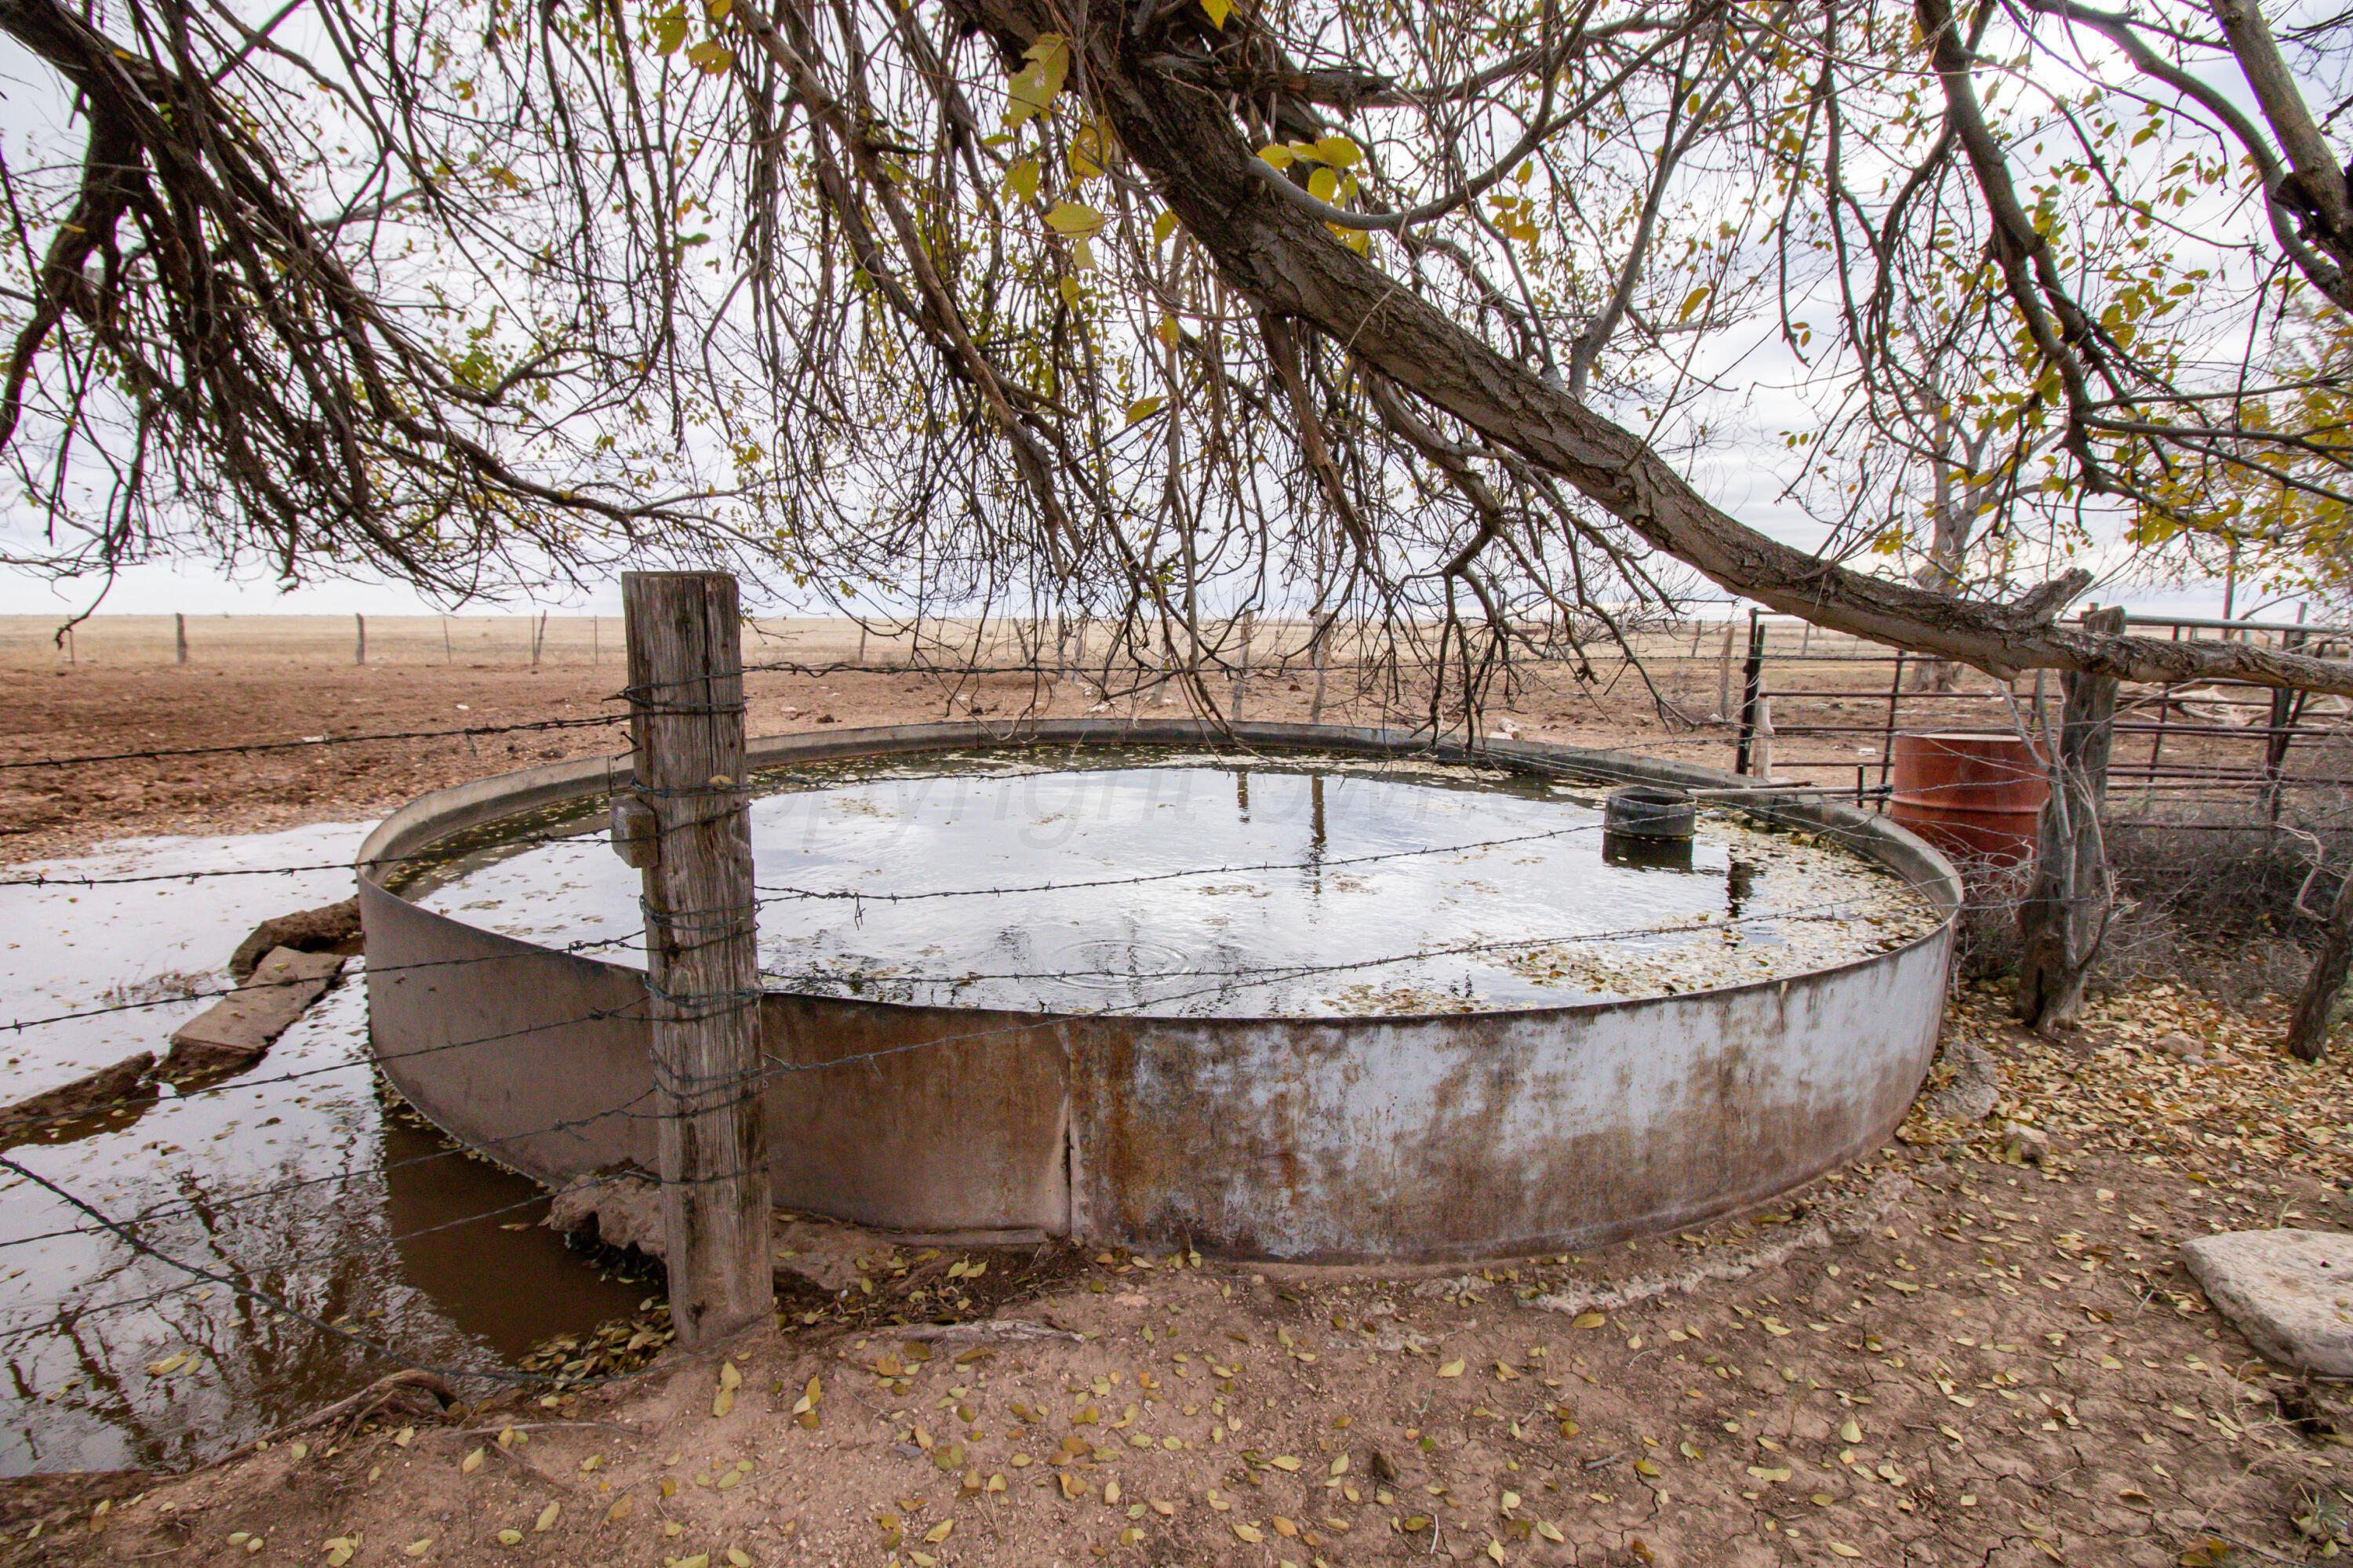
1650,811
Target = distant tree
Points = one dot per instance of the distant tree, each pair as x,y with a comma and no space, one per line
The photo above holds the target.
1159,312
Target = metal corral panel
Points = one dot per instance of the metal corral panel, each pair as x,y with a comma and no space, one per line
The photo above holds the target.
1461,1135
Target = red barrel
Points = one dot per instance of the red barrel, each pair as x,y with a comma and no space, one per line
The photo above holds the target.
1973,794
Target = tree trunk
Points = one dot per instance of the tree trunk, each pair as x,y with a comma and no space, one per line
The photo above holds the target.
2060,922
2307,1032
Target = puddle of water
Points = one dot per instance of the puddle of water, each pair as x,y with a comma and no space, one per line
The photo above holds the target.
384,1228
1318,867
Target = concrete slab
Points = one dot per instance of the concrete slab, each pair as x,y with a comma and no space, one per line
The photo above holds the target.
2289,1291
242,1025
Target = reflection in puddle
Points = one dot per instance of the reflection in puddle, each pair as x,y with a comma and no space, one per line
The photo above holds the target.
295,1179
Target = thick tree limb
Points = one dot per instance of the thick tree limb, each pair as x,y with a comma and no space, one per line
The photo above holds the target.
1287,262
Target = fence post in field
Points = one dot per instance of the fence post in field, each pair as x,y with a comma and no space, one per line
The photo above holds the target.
686,823
1242,675
2058,921
1752,680
180,639
1724,674
359,649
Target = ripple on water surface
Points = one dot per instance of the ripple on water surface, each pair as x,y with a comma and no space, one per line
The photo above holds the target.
1206,885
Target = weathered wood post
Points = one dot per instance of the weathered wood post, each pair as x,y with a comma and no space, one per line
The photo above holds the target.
2060,920
1724,673
1243,673
1752,681
359,648
686,823
180,638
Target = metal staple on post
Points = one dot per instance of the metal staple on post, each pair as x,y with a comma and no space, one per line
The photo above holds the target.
686,823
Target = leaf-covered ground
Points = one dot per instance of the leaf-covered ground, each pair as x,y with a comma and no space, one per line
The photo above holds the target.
2007,1366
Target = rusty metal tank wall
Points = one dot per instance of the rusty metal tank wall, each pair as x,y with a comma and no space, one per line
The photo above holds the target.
1347,1137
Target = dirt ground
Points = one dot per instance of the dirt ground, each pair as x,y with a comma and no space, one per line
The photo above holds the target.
1941,1356
64,711
1975,1347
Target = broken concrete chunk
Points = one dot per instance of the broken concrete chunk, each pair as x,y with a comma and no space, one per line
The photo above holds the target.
239,1027
2289,1291
86,1095
330,928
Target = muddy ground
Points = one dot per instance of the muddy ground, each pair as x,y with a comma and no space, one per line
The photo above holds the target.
1986,1361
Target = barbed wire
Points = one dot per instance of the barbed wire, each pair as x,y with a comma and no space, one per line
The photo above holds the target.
159,753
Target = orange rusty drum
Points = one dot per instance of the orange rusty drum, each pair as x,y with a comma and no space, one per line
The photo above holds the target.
1973,794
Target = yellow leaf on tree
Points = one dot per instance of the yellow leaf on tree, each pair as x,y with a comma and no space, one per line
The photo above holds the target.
1075,220
1219,10
1323,183
1163,227
1035,86
1693,301
1021,180
1143,408
1339,152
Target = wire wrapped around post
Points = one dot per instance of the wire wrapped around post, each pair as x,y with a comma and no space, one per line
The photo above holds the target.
702,966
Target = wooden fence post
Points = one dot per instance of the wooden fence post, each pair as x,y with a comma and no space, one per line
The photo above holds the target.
1752,681
359,649
1724,674
180,638
2058,921
687,824
1241,676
